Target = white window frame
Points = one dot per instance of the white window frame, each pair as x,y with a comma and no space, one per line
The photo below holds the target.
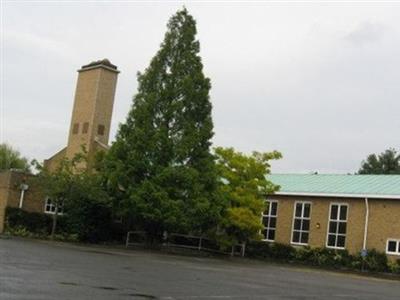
301,218
263,215
337,220
52,209
397,252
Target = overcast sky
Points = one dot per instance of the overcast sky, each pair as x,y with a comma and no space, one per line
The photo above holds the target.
318,82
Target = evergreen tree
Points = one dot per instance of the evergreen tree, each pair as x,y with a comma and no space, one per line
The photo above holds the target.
160,169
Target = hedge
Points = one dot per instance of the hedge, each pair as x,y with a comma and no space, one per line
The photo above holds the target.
322,257
33,222
93,225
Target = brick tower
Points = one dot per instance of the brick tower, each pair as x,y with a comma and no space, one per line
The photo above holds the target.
92,111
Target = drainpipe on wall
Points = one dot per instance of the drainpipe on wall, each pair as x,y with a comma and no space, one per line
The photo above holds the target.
366,224
23,188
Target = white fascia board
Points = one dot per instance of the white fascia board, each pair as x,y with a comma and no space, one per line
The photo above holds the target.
363,196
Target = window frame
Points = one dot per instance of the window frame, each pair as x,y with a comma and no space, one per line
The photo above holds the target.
51,212
339,204
263,215
397,253
301,218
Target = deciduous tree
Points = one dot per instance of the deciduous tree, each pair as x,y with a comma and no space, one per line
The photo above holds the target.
160,169
12,159
388,162
244,187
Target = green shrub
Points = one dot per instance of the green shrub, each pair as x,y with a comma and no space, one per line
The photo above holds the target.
394,267
32,221
260,249
282,251
322,257
375,261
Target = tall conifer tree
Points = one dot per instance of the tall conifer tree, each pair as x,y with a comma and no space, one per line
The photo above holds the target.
160,166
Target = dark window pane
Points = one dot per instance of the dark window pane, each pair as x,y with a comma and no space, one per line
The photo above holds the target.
340,240
398,250
307,208
332,227
334,212
392,246
272,222
264,233
265,221
331,240
342,227
75,129
304,237
271,235
85,127
343,212
297,224
296,237
298,209
100,130
274,208
306,225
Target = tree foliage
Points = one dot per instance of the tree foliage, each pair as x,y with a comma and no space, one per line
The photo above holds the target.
82,196
243,186
387,162
12,159
160,170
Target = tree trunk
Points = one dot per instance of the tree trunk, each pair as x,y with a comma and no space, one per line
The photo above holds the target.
54,226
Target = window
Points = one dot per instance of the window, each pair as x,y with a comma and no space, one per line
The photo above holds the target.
337,226
85,128
393,247
301,223
100,130
75,128
50,207
269,221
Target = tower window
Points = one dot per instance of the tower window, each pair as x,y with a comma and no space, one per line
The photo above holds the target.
85,127
100,130
75,129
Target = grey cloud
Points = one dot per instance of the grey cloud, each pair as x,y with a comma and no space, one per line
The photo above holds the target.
366,32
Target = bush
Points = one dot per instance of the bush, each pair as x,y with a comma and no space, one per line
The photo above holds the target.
394,267
322,257
259,249
90,220
32,221
375,261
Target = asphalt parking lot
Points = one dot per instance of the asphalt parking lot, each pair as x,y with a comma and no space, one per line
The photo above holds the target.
40,270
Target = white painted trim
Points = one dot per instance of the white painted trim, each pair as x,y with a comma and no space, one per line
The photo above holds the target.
294,216
59,213
397,253
366,224
388,197
329,220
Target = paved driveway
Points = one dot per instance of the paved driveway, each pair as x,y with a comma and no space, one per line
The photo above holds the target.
40,270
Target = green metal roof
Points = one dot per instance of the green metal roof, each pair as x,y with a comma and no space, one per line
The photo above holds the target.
373,186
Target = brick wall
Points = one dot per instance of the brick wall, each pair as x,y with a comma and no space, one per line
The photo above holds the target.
384,221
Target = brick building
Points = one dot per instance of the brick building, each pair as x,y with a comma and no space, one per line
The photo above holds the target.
352,212
90,127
